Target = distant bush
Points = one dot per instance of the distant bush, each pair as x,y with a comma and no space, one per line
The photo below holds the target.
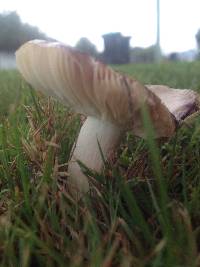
86,46
143,55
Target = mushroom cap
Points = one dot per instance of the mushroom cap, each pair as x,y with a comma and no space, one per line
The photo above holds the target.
92,88
180,102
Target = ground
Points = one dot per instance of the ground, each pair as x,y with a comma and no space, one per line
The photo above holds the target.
146,209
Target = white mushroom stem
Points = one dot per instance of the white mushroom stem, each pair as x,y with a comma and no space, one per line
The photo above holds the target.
87,150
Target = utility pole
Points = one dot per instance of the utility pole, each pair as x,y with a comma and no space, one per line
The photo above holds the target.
158,49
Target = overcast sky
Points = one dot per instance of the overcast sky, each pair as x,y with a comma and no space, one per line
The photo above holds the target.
68,20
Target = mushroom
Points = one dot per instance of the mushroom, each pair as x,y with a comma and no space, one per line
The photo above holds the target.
180,102
112,102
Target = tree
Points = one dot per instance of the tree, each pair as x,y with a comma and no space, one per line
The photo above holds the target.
84,45
13,33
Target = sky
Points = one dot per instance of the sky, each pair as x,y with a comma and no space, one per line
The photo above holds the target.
69,20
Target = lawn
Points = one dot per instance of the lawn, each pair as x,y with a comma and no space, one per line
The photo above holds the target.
146,212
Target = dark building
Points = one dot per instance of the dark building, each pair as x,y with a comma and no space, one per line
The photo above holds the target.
116,48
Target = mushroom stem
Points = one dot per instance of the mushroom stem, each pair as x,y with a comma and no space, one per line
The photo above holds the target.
87,150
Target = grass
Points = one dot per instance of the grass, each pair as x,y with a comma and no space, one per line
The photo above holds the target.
147,210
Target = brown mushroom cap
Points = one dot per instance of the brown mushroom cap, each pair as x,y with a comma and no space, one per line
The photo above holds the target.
92,88
180,102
